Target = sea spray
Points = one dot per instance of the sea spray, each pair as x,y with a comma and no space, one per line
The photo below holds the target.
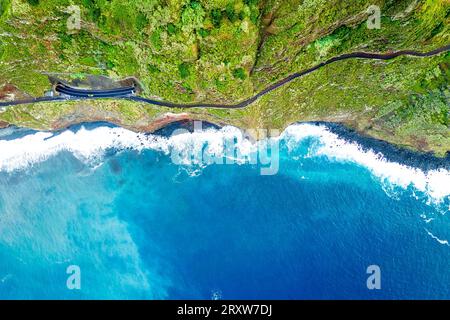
113,202
216,146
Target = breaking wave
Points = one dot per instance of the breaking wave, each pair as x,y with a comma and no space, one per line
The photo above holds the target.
90,145
436,183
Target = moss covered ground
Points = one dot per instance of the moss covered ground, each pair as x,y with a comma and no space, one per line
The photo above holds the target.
226,50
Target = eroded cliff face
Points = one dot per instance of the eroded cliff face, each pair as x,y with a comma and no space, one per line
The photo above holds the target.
225,51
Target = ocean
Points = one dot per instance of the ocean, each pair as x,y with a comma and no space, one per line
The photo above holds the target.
177,215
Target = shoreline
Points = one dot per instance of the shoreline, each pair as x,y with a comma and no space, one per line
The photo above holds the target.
391,152
422,160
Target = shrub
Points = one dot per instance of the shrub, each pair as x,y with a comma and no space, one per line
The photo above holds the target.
141,21
192,17
231,14
171,28
216,17
251,2
152,69
33,2
203,32
155,39
183,68
195,5
3,5
239,73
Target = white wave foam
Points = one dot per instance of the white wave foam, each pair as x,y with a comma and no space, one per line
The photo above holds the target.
436,183
90,145
443,242
84,144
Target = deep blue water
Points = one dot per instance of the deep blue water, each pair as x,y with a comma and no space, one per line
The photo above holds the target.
140,226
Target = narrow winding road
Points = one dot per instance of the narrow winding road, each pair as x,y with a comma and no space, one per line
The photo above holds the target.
68,93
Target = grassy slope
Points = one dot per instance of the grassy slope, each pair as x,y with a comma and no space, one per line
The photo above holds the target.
225,50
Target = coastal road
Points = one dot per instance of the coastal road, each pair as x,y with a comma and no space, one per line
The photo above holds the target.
71,93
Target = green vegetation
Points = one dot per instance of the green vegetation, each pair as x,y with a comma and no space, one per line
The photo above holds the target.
239,73
226,50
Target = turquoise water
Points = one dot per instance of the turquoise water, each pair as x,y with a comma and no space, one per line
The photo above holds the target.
139,225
